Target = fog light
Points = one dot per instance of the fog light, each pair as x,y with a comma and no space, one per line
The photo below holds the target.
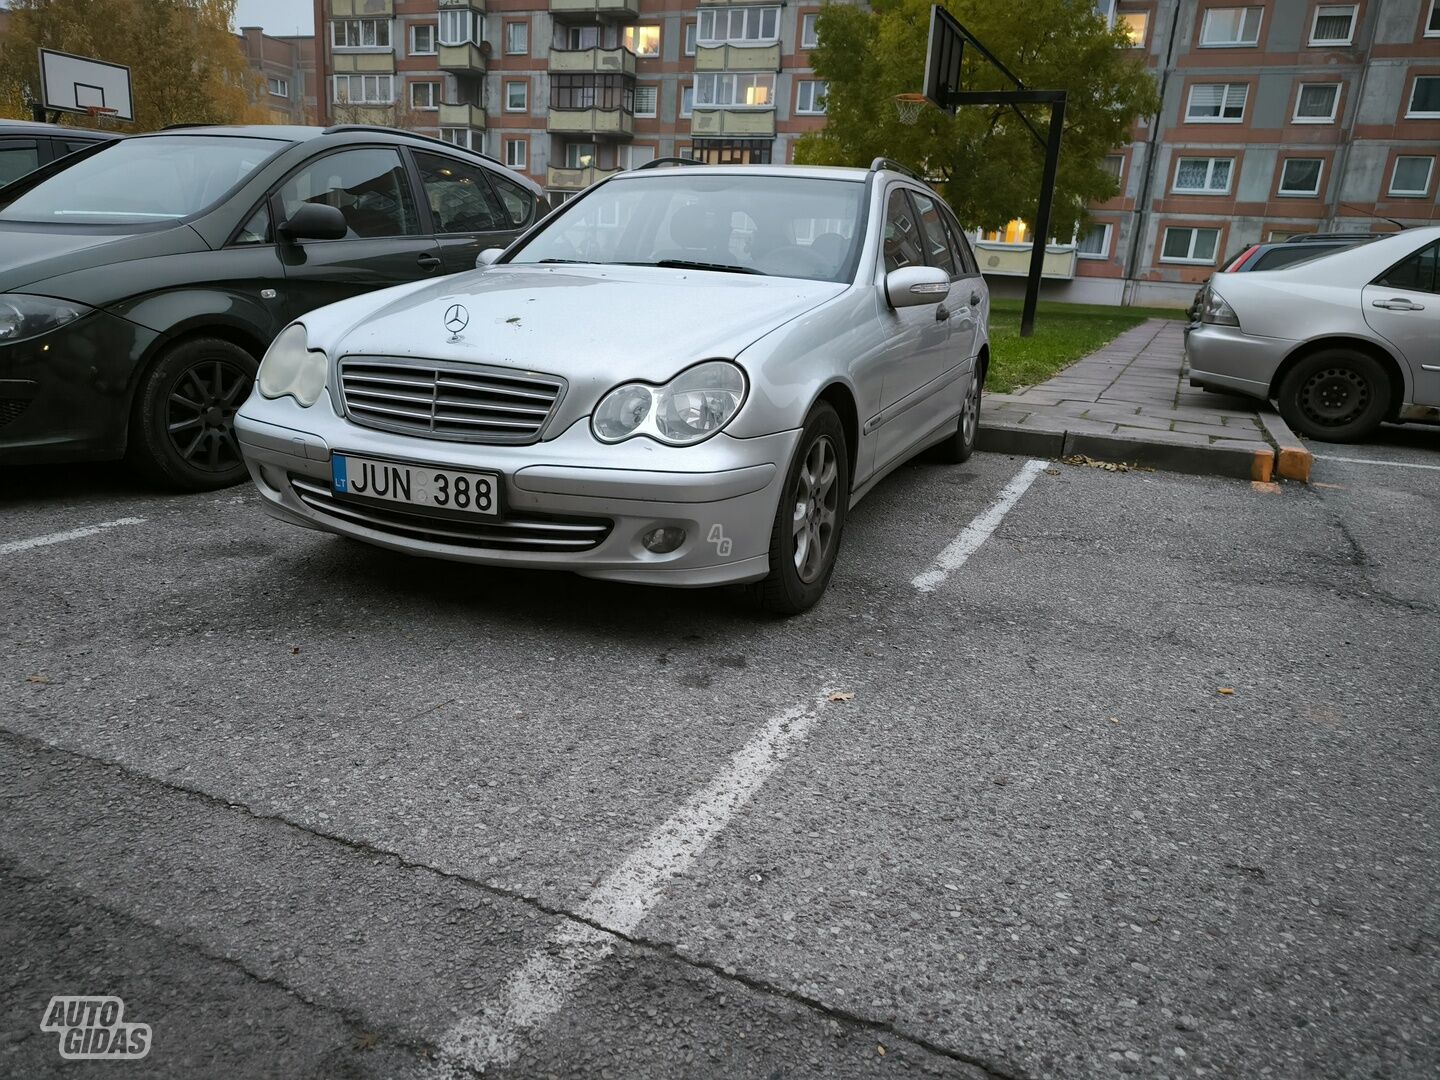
663,541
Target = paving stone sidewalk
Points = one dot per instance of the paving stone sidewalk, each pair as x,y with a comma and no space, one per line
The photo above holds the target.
1131,401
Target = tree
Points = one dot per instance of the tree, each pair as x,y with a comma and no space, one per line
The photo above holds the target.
984,161
185,64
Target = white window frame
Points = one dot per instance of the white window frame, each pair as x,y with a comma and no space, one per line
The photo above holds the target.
373,25
1176,189
689,35
1234,43
1410,113
415,49
809,32
1285,163
524,28
1333,9
1190,259
456,17
575,159
1104,252
814,109
633,33
524,105
733,83
447,134
1190,118
687,90
1432,20
1405,193
434,95
273,81
749,35
1120,172
1136,41
1334,105
518,161
626,156
385,96
653,88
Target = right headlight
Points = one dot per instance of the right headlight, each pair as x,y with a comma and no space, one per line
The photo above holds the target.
1214,309
686,410
291,367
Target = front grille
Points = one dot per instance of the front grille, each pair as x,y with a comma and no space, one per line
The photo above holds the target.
558,534
462,402
11,408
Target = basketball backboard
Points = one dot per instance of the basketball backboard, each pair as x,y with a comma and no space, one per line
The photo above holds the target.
942,59
77,84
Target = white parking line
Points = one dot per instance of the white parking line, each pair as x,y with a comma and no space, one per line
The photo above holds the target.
1369,461
61,537
979,530
552,974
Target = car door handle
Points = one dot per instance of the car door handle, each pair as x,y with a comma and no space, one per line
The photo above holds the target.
1398,304
942,313
428,262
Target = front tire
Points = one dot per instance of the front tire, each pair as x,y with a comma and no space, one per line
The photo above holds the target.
959,446
1337,395
809,522
182,432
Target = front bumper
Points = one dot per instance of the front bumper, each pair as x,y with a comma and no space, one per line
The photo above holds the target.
1226,358
722,492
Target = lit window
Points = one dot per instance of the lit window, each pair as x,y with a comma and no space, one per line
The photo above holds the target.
1222,103
726,90
360,33
646,100
1411,177
643,40
1425,97
1203,176
1134,23
1316,103
422,40
810,98
517,96
808,36
1301,176
517,38
1231,26
424,95
1334,25
1094,242
740,26
516,152
1189,245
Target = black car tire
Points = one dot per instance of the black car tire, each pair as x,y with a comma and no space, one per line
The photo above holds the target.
182,430
1336,395
958,447
786,591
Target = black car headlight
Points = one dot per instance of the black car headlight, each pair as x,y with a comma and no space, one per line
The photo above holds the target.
23,316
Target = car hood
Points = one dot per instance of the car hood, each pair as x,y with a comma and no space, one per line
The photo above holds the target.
30,254
604,324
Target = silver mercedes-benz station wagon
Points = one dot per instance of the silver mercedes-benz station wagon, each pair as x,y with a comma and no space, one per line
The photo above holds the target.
684,376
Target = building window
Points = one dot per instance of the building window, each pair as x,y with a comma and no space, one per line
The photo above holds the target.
1334,25
457,28
810,98
607,92
1135,23
643,40
456,136
279,87
646,99
1432,24
515,153
1187,245
364,89
1411,177
360,33
632,157
1316,103
1217,103
740,26
1203,176
1114,164
517,96
1228,27
1301,177
422,40
424,95
732,151
579,155
730,90
517,38
1425,97
689,39
808,36
687,100
1094,242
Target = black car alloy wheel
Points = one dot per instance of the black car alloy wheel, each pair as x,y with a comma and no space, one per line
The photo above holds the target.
200,414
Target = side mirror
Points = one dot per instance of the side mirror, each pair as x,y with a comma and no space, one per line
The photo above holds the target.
916,286
488,256
315,221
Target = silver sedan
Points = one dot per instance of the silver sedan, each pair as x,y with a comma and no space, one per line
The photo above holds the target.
686,376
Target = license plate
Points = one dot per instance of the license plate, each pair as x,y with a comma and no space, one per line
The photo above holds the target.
443,489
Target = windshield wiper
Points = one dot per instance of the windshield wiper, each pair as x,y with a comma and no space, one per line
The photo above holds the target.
576,261
685,264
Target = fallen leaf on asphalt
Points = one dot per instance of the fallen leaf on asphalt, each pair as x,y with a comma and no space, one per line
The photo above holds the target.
1114,719
1225,690
295,651
37,679
1001,781
1108,466
840,695
366,1040
879,1049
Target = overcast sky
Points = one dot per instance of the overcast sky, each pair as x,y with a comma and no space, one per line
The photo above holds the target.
278,17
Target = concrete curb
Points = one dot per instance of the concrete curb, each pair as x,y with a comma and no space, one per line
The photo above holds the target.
1153,449
1292,457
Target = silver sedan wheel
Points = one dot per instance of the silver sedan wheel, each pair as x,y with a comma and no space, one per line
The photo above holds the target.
970,411
816,496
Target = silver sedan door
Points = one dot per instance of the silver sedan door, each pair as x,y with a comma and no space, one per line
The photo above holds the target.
1402,305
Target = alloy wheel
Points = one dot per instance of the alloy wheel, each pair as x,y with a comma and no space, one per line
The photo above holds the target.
200,414
970,411
816,498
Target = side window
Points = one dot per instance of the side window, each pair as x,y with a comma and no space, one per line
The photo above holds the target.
369,187
1420,271
257,229
902,233
17,157
937,242
964,257
65,147
519,203
460,198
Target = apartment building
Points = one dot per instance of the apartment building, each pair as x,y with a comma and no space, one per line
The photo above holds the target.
287,67
569,91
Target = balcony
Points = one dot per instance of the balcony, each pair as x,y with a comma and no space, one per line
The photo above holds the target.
721,123
461,115
473,5
610,9
563,179
363,63
584,61
1013,260
609,123
467,59
349,9
738,57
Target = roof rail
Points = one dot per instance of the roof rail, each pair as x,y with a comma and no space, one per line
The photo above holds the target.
653,162
381,129
895,166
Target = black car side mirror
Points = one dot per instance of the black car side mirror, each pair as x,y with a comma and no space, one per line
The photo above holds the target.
315,221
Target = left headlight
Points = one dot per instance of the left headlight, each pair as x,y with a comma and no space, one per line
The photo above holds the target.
689,408
23,316
291,367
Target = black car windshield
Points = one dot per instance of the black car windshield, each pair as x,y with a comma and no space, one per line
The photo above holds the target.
735,222
133,181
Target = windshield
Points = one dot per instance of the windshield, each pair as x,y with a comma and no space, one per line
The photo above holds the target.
160,178
749,223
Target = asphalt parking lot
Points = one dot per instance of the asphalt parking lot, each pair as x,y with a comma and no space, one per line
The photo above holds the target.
317,810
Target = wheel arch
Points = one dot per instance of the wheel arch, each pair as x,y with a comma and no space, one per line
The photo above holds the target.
840,398
236,335
1393,372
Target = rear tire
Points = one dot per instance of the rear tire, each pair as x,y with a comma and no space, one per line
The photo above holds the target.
1336,395
182,430
810,519
959,446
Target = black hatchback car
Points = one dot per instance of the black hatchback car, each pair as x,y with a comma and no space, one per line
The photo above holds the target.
26,146
140,285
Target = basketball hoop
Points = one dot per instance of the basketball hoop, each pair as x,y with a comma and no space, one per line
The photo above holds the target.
909,106
101,115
